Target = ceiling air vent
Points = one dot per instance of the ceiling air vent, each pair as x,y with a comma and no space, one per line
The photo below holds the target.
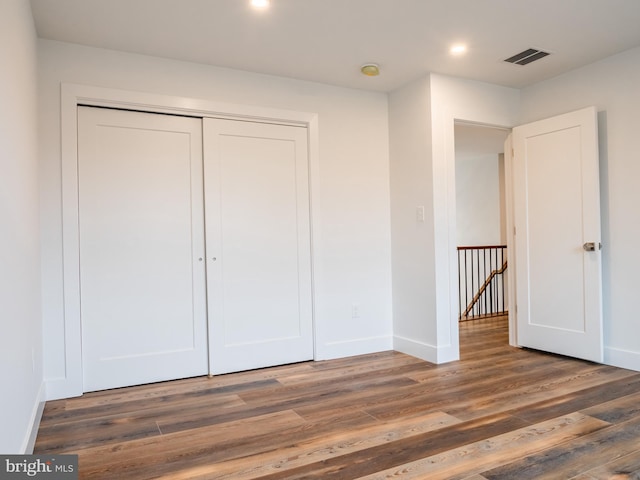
528,56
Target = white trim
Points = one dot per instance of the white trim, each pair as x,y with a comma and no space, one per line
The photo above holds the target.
194,107
449,353
445,233
446,242
314,205
358,346
73,95
511,242
618,357
417,349
34,422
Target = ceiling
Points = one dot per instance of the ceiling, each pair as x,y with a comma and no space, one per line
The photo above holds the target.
328,40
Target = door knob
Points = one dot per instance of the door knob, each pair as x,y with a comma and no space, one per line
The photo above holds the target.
592,246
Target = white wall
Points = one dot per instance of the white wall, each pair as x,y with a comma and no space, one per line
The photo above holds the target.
478,209
454,99
613,86
20,317
412,240
351,213
422,163
469,101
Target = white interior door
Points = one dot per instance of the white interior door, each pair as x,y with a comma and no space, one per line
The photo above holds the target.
557,221
142,269
258,245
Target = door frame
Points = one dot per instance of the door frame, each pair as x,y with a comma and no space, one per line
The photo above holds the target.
511,240
73,95
509,226
446,244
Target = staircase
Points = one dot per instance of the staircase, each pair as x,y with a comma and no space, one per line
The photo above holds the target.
482,282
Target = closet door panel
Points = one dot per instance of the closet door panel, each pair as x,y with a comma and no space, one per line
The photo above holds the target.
142,269
258,244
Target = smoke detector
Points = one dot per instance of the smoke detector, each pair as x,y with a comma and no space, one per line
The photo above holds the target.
370,69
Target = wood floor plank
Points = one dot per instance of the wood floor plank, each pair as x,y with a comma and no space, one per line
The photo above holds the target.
617,410
202,416
153,407
574,457
627,467
382,457
214,443
69,439
184,386
310,431
397,365
520,394
74,428
473,459
448,384
346,382
318,450
510,360
555,406
353,362
460,397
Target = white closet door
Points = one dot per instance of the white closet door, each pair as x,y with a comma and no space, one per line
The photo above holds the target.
258,245
142,269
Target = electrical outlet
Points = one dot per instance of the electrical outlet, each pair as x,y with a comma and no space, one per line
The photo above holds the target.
355,310
420,214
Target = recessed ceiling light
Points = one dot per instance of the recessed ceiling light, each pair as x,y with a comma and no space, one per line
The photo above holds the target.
260,3
458,49
370,69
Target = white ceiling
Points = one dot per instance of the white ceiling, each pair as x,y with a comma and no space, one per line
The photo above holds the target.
327,40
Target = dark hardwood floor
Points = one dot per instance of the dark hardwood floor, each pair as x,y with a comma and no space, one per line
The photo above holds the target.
499,413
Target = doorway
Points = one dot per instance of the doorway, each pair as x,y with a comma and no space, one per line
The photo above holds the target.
481,231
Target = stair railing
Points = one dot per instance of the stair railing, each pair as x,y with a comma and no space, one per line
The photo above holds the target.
482,282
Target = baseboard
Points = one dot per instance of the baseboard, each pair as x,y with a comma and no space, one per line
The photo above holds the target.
36,415
447,353
416,349
622,358
350,348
